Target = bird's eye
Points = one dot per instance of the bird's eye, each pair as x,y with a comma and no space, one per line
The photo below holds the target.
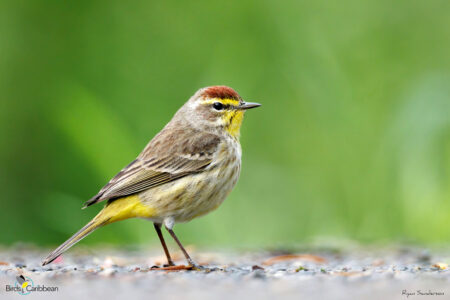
218,106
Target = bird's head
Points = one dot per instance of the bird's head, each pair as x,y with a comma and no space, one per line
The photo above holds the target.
217,108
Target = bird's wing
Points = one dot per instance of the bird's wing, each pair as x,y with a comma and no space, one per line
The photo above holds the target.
155,167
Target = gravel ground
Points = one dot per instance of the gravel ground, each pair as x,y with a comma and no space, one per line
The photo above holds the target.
351,273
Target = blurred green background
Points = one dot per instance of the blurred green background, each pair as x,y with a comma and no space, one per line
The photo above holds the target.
352,141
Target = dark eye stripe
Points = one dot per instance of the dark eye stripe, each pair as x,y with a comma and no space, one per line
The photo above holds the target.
225,106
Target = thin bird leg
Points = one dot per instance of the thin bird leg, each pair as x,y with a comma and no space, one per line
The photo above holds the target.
163,243
189,259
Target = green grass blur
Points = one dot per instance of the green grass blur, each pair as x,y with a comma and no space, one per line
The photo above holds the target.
352,140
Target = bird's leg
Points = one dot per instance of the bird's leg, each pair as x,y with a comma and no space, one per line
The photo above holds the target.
163,243
188,258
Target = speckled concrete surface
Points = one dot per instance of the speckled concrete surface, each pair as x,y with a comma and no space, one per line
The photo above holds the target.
353,273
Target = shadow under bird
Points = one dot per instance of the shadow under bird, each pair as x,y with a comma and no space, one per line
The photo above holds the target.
186,170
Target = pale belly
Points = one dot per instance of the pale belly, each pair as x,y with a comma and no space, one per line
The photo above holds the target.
194,195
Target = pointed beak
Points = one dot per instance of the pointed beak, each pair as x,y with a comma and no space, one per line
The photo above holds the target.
248,105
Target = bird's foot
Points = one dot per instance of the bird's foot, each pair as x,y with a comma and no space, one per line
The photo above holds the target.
192,266
171,268
196,267
169,264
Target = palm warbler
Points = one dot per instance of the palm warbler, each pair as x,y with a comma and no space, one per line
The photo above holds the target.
186,170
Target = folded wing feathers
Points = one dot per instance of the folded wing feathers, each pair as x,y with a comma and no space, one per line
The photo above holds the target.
142,175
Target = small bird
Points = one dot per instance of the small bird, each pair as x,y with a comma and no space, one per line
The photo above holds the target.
186,171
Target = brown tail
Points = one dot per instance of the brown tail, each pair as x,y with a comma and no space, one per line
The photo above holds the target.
82,233
120,209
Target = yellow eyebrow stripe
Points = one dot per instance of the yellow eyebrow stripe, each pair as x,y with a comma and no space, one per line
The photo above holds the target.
223,101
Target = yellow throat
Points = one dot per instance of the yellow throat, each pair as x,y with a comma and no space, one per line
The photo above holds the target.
234,122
